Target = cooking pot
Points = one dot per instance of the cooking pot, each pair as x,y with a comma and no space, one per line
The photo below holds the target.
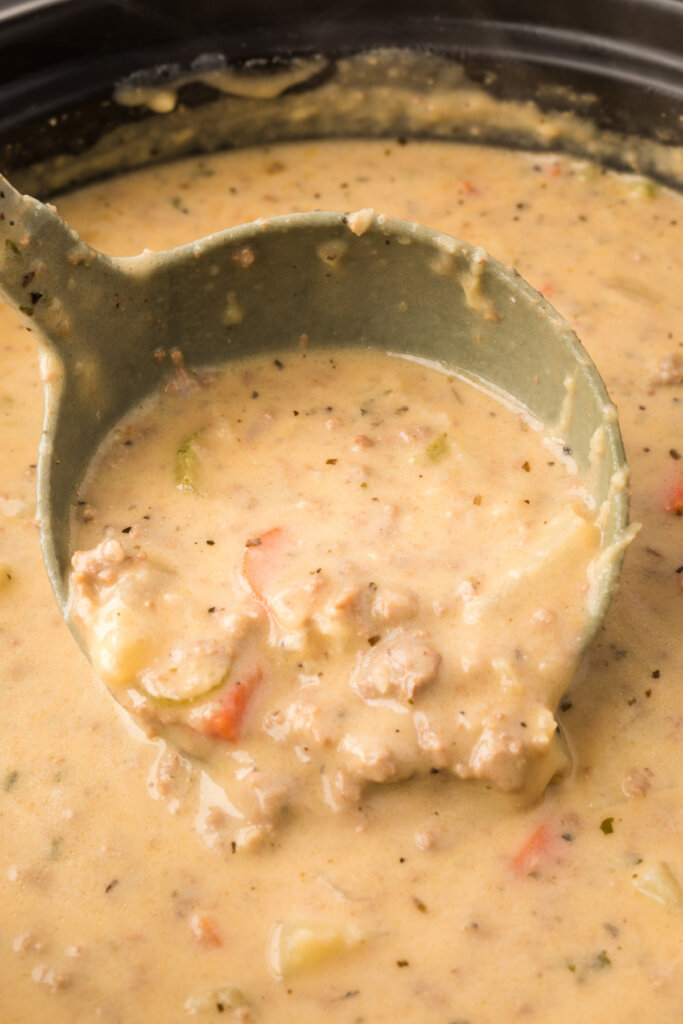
617,64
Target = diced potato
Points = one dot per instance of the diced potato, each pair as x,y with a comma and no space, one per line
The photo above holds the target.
118,646
113,596
659,883
300,946
566,545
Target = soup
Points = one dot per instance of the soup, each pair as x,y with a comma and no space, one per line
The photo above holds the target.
440,902
322,570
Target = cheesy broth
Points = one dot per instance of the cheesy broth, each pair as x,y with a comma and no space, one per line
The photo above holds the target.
327,569
439,903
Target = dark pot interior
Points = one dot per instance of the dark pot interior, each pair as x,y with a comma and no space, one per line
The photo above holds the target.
618,62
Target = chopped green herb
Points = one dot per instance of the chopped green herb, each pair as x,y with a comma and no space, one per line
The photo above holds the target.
12,246
11,780
643,188
607,826
26,310
438,448
601,960
55,849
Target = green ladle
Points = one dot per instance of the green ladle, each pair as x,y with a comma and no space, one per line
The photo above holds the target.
111,325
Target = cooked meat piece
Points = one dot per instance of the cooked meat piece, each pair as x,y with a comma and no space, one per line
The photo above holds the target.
397,667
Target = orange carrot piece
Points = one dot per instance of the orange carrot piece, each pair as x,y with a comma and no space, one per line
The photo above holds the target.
205,931
227,721
259,559
673,499
535,850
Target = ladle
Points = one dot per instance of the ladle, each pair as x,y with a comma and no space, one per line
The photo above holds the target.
111,326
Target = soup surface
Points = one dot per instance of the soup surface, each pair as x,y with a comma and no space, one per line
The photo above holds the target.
441,902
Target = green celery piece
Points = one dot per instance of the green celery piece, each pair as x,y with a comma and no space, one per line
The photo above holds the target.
187,464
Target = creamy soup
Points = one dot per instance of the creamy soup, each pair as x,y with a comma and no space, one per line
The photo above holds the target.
431,900
337,568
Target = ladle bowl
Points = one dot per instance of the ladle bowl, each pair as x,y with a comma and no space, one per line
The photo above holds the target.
114,328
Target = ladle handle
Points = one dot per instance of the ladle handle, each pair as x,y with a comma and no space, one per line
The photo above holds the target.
42,262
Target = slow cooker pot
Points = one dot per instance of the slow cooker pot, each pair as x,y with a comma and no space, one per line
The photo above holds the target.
616,63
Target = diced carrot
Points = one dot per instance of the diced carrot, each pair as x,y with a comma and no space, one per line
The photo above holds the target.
535,850
260,560
205,931
468,188
673,499
227,720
